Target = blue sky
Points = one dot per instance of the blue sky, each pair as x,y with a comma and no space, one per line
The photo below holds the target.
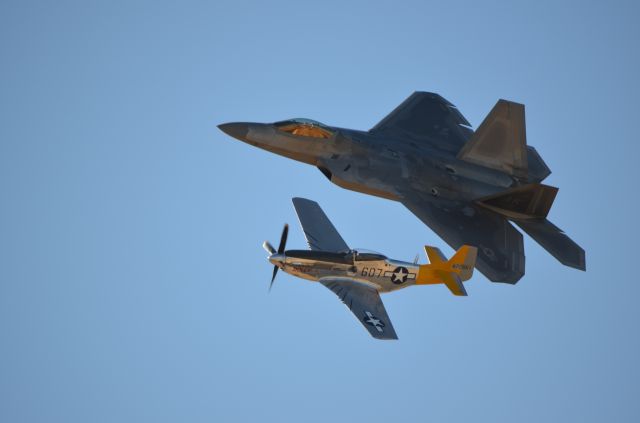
132,282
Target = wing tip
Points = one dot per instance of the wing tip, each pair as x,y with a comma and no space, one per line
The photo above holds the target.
302,200
579,264
392,337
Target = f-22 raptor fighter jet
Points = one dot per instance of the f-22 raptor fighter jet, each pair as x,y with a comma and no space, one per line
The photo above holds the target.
466,186
358,277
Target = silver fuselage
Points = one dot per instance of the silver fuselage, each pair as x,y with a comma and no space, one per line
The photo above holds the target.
384,275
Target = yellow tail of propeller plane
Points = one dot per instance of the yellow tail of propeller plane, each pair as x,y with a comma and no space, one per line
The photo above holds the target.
452,272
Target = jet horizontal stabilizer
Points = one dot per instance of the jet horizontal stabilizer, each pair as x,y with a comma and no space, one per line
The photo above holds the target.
555,241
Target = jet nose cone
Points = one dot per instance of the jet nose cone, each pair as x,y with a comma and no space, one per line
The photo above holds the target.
277,259
237,130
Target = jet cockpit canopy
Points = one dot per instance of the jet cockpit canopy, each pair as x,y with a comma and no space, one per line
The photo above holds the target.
304,127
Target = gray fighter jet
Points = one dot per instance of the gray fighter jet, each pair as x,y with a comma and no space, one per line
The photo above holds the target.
466,186
358,277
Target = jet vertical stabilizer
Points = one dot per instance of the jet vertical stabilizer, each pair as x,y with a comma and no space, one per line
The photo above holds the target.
501,141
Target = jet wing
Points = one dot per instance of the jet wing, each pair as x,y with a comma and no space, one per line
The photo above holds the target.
427,117
365,303
318,229
500,246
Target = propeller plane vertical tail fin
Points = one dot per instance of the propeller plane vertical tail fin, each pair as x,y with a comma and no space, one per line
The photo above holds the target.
452,272
435,255
463,261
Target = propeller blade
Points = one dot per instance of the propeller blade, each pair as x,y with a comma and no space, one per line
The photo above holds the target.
283,239
268,247
275,272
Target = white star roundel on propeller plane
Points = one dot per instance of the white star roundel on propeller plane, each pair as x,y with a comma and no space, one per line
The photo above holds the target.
399,275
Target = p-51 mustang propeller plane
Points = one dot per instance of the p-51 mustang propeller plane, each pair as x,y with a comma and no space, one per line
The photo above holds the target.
359,277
